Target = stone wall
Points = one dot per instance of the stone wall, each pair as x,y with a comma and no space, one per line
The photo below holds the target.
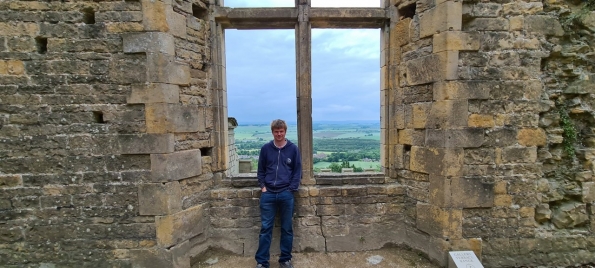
338,214
479,102
106,130
114,138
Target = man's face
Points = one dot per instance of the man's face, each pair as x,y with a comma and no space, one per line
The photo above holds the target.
279,134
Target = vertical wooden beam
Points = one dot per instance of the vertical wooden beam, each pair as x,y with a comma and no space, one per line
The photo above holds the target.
389,133
303,44
219,96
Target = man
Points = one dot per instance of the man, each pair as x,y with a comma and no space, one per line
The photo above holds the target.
279,175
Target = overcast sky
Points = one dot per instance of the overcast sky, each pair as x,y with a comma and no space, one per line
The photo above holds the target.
261,70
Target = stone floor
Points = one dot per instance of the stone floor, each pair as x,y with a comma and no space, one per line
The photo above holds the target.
383,258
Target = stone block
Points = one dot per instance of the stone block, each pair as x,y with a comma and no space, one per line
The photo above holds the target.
439,222
446,41
399,34
411,137
3,67
487,24
581,87
588,195
485,9
176,23
392,81
583,176
519,155
516,23
420,114
449,63
454,138
149,42
151,258
459,192
501,137
154,93
128,69
181,226
167,118
517,90
146,143
543,24
502,200
396,157
452,90
437,161
182,252
448,114
589,21
123,27
532,137
446,16
522,8
19,29
569,214
9,181
398,117
330,210
481,120
154,15
175,166
15,67
309,238
163,68
423,70
157,199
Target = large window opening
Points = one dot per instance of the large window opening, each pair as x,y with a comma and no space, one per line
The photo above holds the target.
345,99
314,95
260,88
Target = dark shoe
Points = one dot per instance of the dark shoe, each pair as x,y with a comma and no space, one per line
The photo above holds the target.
286,264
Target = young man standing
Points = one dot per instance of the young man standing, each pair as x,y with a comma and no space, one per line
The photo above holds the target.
279,175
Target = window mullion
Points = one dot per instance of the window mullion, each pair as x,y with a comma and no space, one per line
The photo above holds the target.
303,40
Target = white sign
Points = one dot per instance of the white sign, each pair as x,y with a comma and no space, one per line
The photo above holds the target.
463,259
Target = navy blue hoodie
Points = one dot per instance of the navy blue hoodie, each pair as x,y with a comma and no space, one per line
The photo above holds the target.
279,169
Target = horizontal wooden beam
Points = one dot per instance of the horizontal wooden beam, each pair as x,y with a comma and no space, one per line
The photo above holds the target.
286,18
347,17
256,18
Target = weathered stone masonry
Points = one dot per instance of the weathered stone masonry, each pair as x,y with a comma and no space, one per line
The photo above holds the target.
114,144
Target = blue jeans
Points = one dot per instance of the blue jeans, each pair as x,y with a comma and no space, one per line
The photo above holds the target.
270,204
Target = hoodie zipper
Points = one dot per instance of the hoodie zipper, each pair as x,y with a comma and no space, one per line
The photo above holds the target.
277,169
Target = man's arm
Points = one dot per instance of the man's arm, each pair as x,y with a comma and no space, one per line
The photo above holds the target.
296,175
261,169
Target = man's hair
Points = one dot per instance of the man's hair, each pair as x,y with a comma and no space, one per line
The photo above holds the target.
278,123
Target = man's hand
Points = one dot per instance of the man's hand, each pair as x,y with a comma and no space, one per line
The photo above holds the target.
264,189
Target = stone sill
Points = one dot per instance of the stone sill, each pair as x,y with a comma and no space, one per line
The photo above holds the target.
351,178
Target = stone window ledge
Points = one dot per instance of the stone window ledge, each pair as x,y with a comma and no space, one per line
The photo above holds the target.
334,179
